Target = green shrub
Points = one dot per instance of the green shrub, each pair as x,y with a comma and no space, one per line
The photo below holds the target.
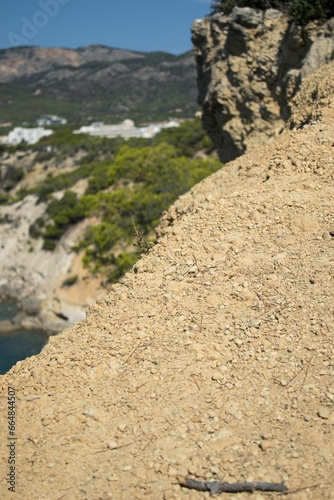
5,199
98,179
13,176
187,139
141,164
227,6
303,11
63,213
53,232
35,229
43,156
123,263
103,237
300,11
71,280
49,245
64,181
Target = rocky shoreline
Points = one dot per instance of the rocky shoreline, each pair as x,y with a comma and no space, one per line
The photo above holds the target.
33,315
28,277
7,326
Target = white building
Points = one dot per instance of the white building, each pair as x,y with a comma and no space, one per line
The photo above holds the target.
154,129
126,129
28,135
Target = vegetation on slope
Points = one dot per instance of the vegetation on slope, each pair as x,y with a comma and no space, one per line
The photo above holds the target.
300,11
129,185
152,87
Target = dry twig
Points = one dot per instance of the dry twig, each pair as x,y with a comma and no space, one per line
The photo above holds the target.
215,487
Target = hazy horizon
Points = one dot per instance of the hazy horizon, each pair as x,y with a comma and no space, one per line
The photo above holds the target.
97,45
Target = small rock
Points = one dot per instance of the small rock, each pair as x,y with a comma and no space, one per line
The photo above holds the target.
46,421
266,445
140,472
255,322
327,236
92,413
324,413
215,470
192,470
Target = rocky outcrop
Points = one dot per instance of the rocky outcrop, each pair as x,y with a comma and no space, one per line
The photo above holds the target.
250,64
34,278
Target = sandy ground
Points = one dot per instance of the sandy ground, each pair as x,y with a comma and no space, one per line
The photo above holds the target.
215,357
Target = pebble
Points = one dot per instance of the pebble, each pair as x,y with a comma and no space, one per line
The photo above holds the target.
324,413
92,413
266,445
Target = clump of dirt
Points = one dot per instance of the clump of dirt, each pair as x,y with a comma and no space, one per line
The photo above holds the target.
214,358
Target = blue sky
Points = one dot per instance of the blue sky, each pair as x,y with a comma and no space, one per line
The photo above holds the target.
143,25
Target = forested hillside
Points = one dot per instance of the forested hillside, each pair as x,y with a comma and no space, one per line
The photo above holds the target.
127,186
95,83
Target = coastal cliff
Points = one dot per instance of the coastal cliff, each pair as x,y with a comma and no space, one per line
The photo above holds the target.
51,289
35,279
250,65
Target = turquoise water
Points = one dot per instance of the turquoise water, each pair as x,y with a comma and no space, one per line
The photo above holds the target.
8,310
18,345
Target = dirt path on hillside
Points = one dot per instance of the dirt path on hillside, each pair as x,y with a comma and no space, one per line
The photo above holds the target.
215,357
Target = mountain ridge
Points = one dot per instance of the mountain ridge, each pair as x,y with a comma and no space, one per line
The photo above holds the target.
96,82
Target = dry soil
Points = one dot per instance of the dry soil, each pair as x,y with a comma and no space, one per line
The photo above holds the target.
215,357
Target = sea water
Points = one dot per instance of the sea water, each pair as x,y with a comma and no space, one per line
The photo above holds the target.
18,345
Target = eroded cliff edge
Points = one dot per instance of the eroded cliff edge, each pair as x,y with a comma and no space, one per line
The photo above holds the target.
214,358
250,65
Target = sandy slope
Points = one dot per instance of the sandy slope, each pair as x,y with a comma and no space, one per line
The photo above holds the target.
215,357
